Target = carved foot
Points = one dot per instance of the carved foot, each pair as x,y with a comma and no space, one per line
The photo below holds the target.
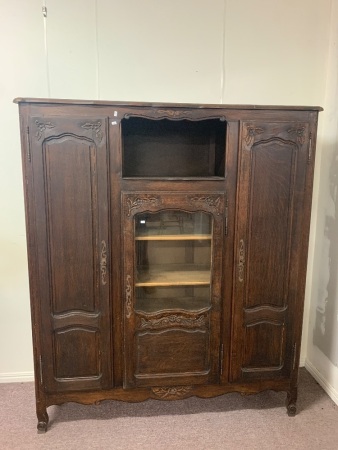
42,422
291,403
292,410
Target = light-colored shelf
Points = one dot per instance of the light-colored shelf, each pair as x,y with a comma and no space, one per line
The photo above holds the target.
181,277
175,237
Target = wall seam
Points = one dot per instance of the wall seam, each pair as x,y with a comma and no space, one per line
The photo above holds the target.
98,94
44,16
223,77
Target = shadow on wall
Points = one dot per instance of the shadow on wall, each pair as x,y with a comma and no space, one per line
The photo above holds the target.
326,326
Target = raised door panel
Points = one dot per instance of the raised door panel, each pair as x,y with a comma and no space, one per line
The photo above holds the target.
173,287
69,167
272,171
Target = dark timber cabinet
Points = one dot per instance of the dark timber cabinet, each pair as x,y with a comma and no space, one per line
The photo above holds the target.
167,248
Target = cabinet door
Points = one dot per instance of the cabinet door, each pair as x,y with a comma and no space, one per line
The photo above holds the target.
69,222
268,296
172,283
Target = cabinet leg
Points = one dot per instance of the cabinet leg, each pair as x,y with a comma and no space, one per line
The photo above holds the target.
42,420
291,400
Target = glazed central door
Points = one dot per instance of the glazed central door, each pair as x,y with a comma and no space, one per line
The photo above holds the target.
172,273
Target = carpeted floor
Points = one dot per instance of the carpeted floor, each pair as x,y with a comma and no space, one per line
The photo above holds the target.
227,422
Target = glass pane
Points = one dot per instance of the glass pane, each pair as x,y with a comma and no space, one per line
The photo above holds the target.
173,260
153,299
174,223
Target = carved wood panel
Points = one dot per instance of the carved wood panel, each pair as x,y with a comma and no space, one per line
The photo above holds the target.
71,196
72,264
74,357
270,212
271,186
264,349
171,353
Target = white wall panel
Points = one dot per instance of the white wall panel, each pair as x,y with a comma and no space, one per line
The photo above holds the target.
72,48
23,73
275,51
159,50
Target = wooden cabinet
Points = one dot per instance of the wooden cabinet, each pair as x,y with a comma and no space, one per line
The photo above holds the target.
167,248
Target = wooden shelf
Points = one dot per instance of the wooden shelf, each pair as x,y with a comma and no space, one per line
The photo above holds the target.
174,237
186,276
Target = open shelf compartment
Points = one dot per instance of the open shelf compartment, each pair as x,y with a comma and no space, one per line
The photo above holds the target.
173,148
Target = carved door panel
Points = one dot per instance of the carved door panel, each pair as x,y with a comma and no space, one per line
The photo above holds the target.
69,177
172,285
272,174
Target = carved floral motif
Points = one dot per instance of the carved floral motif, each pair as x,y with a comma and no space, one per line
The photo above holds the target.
251,132
172,113
172,320
211,201
241,260
300,134
128,296
103,262
42,126
138,202
95,127
171,392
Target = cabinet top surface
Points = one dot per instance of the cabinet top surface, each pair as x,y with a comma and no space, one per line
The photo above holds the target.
49,101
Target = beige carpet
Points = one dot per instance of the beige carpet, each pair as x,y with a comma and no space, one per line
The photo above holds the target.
227,422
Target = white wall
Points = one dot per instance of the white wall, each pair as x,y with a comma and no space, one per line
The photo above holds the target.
230,51
322,347
22,72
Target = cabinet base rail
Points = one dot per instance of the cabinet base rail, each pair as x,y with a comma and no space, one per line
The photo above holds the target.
168,393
